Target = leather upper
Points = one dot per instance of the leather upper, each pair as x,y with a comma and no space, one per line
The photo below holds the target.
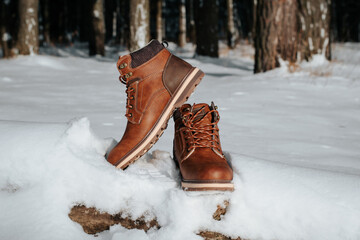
148,94
197,146
146,82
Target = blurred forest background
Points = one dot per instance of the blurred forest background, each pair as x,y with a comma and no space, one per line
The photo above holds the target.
292,30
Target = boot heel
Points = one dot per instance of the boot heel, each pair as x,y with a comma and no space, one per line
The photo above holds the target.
189,84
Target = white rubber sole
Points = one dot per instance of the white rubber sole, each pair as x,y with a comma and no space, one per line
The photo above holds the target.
207,186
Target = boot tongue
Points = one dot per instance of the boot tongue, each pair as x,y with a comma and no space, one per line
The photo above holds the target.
201,110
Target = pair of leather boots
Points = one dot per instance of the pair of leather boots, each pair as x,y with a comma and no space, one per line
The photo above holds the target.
157,84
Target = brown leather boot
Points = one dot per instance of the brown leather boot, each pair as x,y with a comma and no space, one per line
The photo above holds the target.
156,83
197,149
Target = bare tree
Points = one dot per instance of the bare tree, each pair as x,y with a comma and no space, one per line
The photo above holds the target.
159,24
314,21
291,30
182,23
97,40
46,22
287,31
192,28
270,26
110,15
4,35
207,28
232,34
139,24
28,35
123,23
345,20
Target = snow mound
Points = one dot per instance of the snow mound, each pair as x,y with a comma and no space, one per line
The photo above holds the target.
48,168
41,165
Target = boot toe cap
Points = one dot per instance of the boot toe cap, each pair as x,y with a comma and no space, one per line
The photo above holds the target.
117,153
207,172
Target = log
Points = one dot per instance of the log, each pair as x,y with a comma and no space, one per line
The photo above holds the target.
94,221
209,235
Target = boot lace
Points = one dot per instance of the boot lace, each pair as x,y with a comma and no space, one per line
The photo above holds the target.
130,96
199,134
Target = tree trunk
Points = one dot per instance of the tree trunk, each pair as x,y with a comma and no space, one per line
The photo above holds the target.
123,26
84,11
231,32
182,23
139,24
28,35
192,28
115,20
287,46
314,21
110,8
275,33
46,22
254,17
159,25
207,28
56,21
266,57
345,20
4,35
159,20
97,41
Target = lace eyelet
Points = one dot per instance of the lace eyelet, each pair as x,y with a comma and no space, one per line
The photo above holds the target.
128,75
132,97
130,114
123,65
131,106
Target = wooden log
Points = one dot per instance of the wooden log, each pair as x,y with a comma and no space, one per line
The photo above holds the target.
94,221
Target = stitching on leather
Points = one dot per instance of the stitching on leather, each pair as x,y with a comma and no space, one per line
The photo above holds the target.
183,145
164,75
141,89
141,80
153,96
133,119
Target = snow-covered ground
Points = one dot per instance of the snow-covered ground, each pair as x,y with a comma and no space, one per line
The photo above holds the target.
293,139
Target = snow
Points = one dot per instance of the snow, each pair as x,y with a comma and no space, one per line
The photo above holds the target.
96,13
308,6
6,37
311,46
293,140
